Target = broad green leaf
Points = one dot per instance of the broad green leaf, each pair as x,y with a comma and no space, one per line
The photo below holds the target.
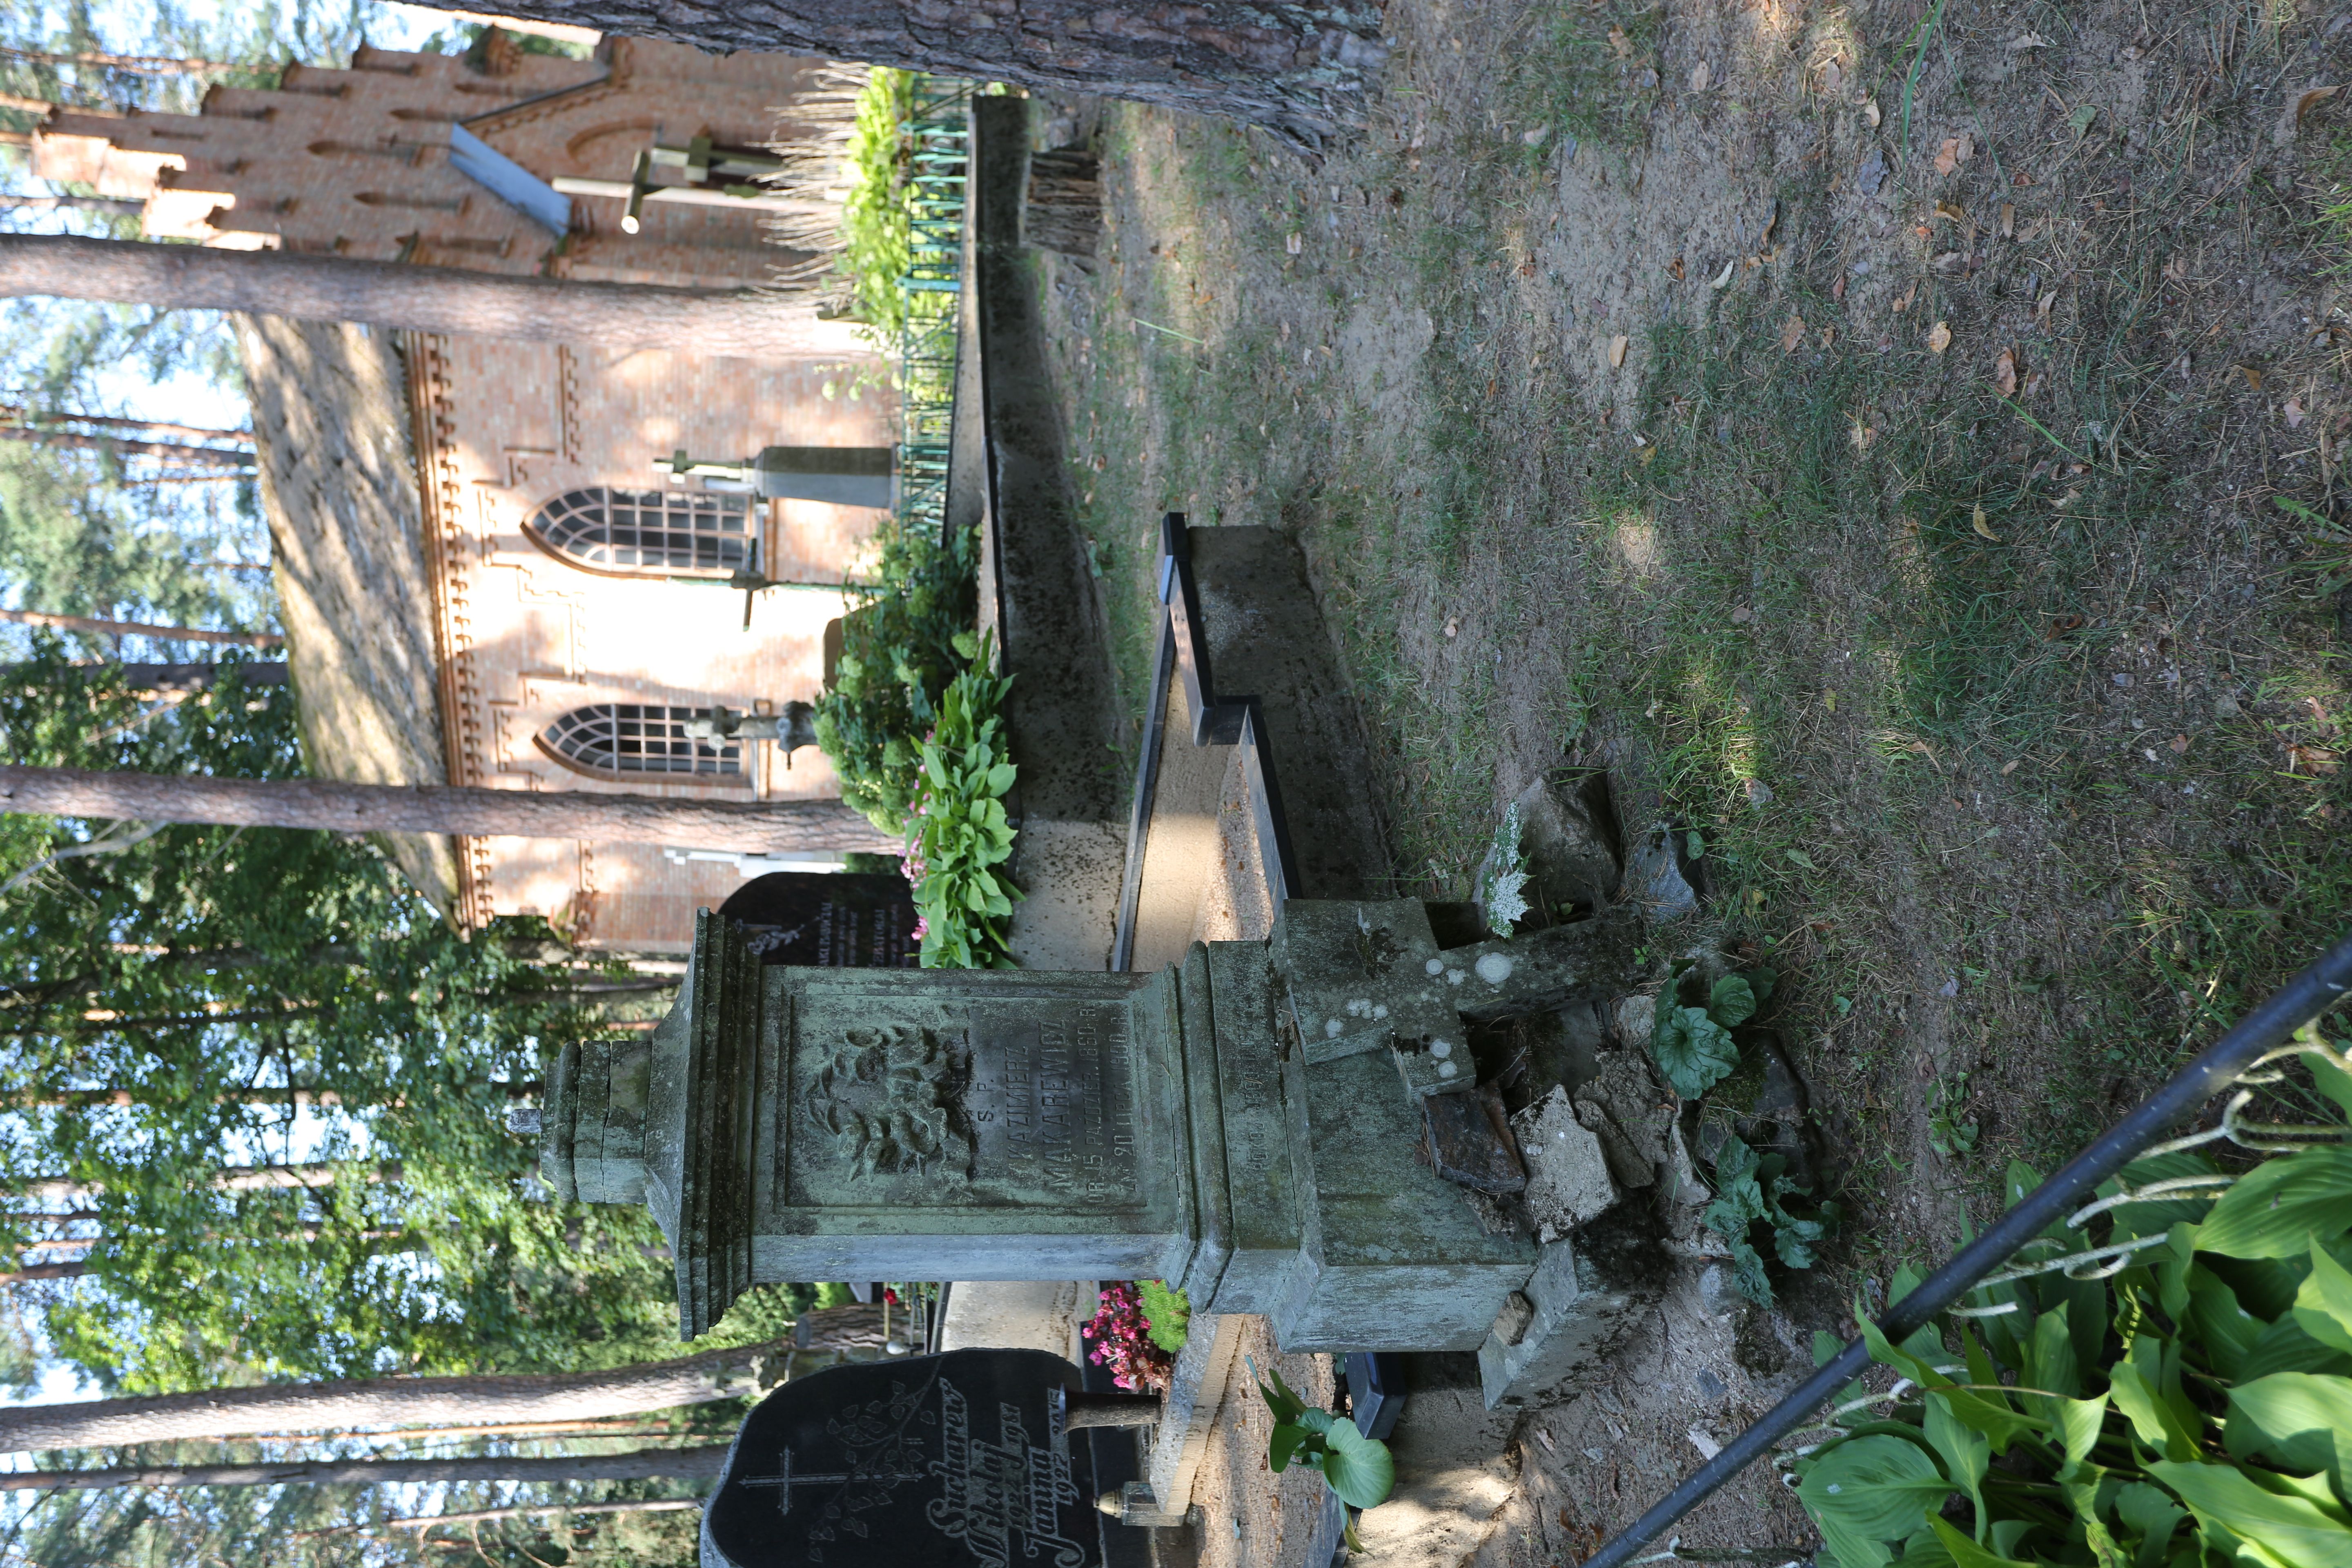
1693,1051
2291,1530
1358,1468
2280,1208
1965,1452
2103,1547
1967,1553
2301,1421
1284,1444
1319,1422
2049,1357
1000,777
2152,1417
2333,1081
2322,1307
1923,1547
1761,982
2228,1331
1732,1002
2148,1513
1283,1404
1867,1491
2079,1421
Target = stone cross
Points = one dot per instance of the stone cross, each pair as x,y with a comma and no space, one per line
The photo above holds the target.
1247,1126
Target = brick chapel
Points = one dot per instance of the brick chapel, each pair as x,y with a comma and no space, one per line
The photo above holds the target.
485,577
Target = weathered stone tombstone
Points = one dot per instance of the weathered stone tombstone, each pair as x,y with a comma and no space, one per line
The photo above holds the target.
961,1460
1247,1126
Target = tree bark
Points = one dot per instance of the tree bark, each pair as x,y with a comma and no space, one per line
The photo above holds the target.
639,1464
484,1515
121,206
141,629
739,323
1301,69
122,446
355,1404
747,826
163,429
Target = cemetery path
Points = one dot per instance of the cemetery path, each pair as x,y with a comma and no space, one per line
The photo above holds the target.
1904,443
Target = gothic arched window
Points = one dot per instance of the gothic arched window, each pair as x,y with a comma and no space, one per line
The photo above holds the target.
617,739
640,533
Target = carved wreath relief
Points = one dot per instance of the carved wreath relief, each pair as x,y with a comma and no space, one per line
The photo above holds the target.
891,1098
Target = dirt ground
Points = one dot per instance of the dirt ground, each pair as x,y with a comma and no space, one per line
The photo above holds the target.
1904,442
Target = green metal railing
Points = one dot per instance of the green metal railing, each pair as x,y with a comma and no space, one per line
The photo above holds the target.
936,180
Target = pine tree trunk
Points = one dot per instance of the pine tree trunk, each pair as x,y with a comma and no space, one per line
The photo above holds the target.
119,206
739,323
351,1405
160,429
122,446
92,627
1299,69
640,1464
745,826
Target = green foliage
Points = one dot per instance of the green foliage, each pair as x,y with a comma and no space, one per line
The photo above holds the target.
1357,1468
1947,1133
1754,1192
957,834
2190,1410
1169,1313
899,652
1691,1041
203,974
877,226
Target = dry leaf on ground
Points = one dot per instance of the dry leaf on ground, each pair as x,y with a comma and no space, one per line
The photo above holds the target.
1294,243
2253,377
1870,113
2007,219
1948,156
1939,337
1837,290
2312,99
1620,43
1903,301
1674,271
1984,528
2042,311
1701,74
2179,744
1723,278
1792,333
2004,373
1617,347
2294,413
1947,210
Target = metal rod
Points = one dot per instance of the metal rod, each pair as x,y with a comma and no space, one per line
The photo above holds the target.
2304,998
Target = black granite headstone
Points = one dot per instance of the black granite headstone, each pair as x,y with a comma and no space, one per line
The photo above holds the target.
826,919
958,1460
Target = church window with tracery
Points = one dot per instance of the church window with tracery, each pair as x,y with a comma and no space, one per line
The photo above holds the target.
620,740
647,531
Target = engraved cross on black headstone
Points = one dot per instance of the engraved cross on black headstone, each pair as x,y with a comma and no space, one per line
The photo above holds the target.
784,1480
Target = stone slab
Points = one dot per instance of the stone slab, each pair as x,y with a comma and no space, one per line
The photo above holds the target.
1196,1390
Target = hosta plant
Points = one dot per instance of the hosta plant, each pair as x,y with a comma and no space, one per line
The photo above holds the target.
957,834
1357,1468
2193,1408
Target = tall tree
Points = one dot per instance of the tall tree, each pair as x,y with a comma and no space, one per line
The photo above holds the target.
348,1404
1299,69
741,323
139,629
700,1463
750,827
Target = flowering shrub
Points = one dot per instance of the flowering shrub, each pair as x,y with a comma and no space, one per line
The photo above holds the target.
1122,1337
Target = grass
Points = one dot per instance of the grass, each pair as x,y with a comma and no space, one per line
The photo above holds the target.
1854,573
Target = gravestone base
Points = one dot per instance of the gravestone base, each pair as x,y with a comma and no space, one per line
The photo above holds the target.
1578,1311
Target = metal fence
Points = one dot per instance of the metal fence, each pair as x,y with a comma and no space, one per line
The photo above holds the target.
2258,1037
938,131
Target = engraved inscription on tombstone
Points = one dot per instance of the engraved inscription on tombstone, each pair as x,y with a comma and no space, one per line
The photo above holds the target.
961,1460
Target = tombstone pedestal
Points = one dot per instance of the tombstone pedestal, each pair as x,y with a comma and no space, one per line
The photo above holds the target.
1247,1126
